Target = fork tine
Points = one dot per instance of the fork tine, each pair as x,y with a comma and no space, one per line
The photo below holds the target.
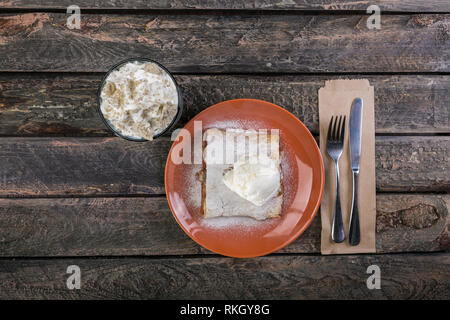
335,129
338,128
329,129
341,136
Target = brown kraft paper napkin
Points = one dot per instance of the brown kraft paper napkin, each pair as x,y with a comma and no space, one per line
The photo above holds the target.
336,99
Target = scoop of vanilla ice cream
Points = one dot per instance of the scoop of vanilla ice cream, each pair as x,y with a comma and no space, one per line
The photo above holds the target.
256,179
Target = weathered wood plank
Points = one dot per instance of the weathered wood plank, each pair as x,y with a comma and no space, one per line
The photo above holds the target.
403,276
145,226
230,43
81,166
398,161
57,104
330,5
113,166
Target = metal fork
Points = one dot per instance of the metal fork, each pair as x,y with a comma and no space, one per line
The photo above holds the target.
335,145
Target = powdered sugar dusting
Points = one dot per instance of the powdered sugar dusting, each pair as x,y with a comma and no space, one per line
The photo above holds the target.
287,174
239,124
193,186
225,222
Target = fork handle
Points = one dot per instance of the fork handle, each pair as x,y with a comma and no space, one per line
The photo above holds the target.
338,233
354,236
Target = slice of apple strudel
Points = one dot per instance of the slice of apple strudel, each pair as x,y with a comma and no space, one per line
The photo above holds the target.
242,173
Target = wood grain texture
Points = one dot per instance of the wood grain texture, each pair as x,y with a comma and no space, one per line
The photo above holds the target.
113,166
45,104
81,166
145,226
398,160
330,5
229,43
409,276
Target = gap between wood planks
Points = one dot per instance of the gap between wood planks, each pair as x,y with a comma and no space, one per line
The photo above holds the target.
256,73
163,196
233,5
217,256
382,134
222,12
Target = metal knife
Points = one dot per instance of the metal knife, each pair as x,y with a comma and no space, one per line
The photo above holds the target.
354,236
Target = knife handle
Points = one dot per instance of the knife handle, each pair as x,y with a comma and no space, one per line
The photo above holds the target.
354,236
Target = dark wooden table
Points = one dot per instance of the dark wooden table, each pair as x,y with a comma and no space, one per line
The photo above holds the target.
72,194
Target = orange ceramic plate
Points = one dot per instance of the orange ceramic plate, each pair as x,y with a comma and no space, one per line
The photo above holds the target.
303,182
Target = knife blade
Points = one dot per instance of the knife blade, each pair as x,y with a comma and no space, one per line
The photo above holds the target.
354,236
355,132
